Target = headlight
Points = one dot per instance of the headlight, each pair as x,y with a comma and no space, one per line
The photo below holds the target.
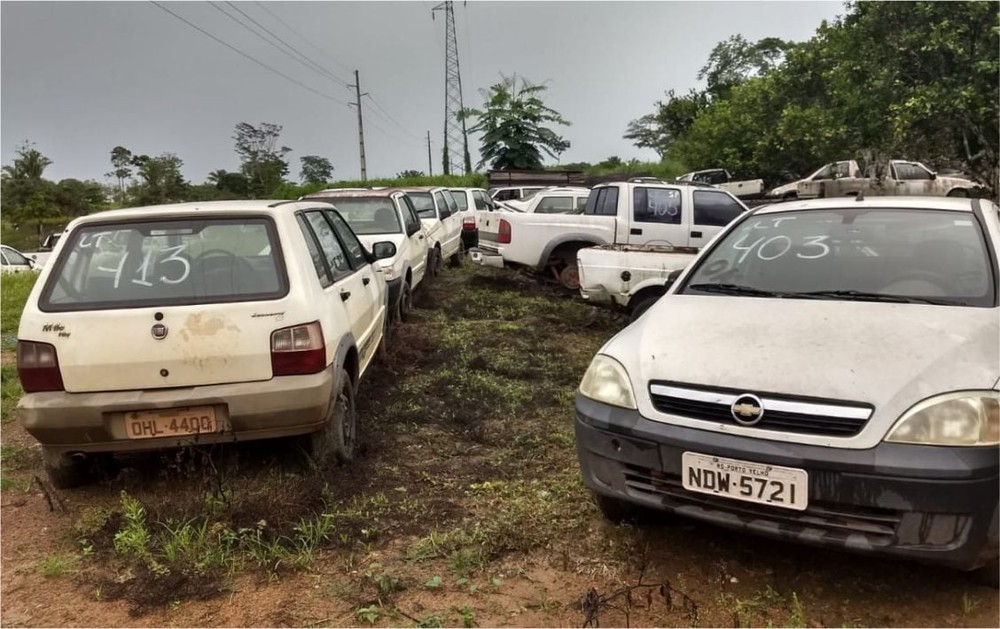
388,272
607,381
968,418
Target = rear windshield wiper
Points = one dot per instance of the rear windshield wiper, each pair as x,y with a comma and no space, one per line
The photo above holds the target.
860,295
734,289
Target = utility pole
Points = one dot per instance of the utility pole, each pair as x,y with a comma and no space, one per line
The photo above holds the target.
361,125
456,141
430,167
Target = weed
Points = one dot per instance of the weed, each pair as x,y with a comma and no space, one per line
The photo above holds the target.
969,603
18,457
797,614
14,292
133,538
55,565
431,620
10,388
465,561
386,583
467,615
369,614
433,583
15,484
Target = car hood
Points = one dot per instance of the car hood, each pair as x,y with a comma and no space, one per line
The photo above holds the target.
785,189
888,355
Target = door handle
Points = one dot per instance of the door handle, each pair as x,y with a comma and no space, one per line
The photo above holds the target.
345,295
635,231
366,280
421,236
696,234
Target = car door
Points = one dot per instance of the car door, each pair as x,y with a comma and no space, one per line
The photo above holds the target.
348,285
372,282
416,237
657,217
910,179
451,223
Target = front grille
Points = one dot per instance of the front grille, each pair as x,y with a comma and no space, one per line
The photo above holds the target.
829,520
830,418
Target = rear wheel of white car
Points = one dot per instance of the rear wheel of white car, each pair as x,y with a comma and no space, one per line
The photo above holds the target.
337,438
569,275
458,256
65,472
405,304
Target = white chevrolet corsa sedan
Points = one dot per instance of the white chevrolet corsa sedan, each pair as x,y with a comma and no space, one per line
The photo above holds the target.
825,372
166,326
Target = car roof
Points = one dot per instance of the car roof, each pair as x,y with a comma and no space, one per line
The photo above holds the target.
421,188
909,203
174,209
351,193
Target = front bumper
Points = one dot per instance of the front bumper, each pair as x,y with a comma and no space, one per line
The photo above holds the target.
931,504
95,422
484,257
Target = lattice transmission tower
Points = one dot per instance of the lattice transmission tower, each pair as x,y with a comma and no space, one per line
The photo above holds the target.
455,149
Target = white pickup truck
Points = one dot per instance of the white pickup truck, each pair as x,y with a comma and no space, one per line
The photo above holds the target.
720,178
626,213
629,278
900,178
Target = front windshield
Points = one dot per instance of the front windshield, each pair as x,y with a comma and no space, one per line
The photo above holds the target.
423,203
857,253
369,215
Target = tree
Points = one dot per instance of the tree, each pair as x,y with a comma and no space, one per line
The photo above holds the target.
76,198
230,185
513,127
160,179
263,161
29,163
26,195
671,120
315,169
409,174
736,60
121,162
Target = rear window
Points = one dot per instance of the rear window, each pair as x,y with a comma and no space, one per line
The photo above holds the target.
174,262
369,216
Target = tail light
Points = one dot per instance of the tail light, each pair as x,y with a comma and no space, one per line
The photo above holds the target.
298,350
469,223
504,236
38,367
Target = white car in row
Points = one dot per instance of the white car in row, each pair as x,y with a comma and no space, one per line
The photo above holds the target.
438,212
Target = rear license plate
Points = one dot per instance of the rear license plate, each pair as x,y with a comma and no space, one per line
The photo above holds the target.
784,487
169,422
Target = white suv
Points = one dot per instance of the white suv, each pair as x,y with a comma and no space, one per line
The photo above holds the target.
439,213
387,214
173,325
551,201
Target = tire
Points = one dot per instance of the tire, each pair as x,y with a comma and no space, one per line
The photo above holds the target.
456,258
405,303
569,276
791,196
617,510
641,306
382,353
434,262
337,439
961,193
64,472
989,574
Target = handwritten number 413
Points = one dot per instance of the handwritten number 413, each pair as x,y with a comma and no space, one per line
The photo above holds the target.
179,268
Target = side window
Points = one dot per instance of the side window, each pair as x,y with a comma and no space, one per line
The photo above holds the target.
593,200
825,173
656,205
579,202
480,200
608,203
3,258
461,198
355,252
410,218
715,208
336,259
14,257
443,210
909,172
314,253
554,205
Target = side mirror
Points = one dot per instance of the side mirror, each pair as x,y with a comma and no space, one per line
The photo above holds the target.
672,277
412,229
933,176
383,250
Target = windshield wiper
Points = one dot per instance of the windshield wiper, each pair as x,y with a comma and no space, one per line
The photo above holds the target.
734,289
859,295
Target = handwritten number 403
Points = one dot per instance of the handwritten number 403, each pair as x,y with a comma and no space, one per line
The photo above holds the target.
772,248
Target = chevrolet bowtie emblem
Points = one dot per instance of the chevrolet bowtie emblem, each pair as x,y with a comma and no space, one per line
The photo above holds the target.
746,410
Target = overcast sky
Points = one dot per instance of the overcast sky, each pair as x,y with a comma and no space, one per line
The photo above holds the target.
79,78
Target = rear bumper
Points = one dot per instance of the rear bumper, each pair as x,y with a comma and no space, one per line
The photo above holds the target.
485,257
95,422
930,504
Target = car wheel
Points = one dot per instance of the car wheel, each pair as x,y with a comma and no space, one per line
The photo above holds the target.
458,256
988,574
382,353
338,436
405,303
64,472
959,192
569,276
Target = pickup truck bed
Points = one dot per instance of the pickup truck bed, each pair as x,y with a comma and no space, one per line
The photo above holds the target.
624,276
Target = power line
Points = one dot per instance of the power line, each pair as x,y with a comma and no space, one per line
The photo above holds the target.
302,37
245,55
309,61
385,115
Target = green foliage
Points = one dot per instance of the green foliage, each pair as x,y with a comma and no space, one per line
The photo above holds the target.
263,161
915,80
294,191
55,565
410,174
14,291
513,123
370,614
160,180
133,538
315,169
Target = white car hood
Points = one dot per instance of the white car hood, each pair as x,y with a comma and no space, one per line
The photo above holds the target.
888,355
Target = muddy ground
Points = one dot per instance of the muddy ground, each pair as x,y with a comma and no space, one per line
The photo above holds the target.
464,508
